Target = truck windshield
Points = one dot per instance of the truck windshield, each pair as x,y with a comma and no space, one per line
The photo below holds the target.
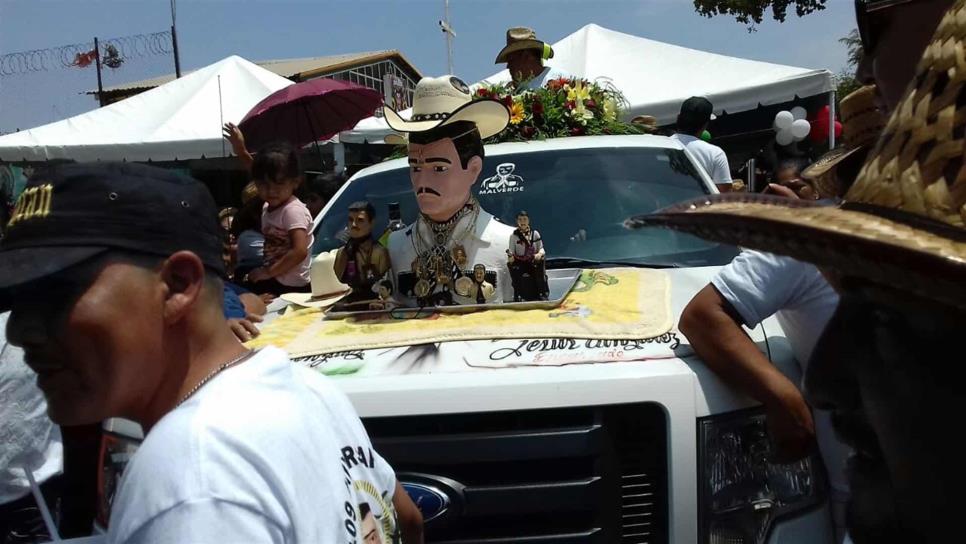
577,198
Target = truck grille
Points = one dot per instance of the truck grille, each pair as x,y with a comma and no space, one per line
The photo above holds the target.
572,475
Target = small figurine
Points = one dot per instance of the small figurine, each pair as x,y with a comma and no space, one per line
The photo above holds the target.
362,261
481,289
526,260
383,290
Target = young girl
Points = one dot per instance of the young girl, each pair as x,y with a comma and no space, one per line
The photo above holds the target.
286,223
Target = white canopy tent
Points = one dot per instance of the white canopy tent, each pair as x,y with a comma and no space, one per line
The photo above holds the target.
655,77
179,120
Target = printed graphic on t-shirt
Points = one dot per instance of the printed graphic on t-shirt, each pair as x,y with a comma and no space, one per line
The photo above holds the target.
370,517
277,244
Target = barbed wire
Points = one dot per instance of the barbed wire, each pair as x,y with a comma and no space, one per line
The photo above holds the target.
74,55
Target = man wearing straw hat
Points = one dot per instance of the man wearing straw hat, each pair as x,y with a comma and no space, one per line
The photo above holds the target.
446,133
524,55
112,275
895,249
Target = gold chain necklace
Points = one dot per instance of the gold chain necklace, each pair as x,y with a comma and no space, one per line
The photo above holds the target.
434,259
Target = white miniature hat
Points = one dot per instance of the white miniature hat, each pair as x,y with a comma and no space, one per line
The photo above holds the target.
326,287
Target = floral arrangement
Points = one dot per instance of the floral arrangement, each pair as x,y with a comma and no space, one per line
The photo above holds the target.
562,107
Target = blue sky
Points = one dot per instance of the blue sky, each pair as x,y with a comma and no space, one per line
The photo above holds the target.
209,30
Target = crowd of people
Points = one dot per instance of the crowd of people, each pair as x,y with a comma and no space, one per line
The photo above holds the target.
126,293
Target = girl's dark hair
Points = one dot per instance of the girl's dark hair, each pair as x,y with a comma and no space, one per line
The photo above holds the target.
277,160
467,139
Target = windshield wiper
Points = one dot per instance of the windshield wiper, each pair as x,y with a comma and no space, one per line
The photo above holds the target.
565,262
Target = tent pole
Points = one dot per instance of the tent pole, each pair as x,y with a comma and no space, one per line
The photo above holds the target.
751,175
831,119
100,86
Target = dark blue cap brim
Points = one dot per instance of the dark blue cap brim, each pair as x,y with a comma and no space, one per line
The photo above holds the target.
24,265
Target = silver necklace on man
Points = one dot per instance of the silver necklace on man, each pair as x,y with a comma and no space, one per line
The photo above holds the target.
237,360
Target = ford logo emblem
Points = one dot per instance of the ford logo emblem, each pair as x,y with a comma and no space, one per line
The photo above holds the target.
435,496
432,503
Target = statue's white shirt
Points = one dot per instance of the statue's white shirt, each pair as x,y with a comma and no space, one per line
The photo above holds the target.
485,244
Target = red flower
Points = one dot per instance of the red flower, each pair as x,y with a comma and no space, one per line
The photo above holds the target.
482,92
537,108
590,104
507,101
570,105
577,131
528,132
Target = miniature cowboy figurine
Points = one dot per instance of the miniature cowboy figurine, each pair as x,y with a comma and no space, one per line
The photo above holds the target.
481,289
446,153
361,262
527,262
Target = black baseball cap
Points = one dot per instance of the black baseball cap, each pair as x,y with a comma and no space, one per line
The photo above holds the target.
71,213
697,109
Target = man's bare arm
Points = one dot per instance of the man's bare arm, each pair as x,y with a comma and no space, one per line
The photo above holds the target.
715,334
410,518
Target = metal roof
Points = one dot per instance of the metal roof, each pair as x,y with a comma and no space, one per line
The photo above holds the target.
296,69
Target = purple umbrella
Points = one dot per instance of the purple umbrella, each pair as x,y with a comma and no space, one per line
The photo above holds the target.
308,112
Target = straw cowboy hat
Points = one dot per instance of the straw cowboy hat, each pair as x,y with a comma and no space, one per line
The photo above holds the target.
326,287
396,139
903,222
862,122
440,101
646,122
519,38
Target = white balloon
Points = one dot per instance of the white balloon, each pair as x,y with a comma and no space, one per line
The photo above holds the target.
784,137
800,129
799,112
783,120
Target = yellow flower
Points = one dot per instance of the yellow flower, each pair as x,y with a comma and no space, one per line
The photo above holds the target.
516,112
581,112
579,92
610,109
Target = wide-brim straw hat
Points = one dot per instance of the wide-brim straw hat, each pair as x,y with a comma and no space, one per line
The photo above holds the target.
396,139
519,38
862,123
902,222
646,122
440,101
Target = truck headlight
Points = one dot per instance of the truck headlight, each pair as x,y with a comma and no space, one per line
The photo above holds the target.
742,493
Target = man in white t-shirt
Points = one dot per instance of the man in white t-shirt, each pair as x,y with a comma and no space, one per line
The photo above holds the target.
112,275
696,113
752,288
29,440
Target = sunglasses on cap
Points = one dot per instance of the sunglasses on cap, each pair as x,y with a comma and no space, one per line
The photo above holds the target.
868,20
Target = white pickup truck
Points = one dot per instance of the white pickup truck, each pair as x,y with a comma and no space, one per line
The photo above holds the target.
538,441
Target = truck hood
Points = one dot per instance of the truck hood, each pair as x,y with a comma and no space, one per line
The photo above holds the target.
461,370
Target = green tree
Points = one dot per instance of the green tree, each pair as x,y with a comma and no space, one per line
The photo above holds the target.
752,12
845,82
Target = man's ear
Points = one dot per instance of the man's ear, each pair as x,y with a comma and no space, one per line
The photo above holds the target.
184,277
475,166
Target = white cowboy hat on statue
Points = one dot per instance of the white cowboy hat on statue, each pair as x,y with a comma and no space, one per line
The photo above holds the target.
439,101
